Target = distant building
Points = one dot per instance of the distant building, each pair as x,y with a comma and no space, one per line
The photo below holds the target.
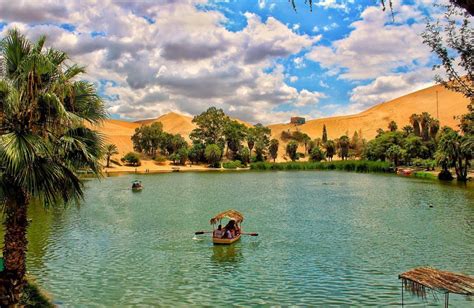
3,67
297,120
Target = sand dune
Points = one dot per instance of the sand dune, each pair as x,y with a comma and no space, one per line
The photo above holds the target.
450,106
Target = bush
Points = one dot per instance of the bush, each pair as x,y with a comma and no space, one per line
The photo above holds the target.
213,155
317,154
346,165
160,160
131,159
232,164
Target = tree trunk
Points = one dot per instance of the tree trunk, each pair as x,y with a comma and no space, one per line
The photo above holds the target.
108,161
12,279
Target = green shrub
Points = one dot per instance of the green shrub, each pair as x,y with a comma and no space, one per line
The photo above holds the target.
160,159
232,164
346,165
131,159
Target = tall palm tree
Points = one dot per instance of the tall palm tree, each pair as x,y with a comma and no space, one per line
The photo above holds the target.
415,122
110,149
43,142
425,123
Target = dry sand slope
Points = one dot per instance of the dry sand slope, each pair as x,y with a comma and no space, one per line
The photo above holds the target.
451,104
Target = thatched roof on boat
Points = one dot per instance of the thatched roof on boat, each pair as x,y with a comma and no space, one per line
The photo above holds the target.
230,214
416,280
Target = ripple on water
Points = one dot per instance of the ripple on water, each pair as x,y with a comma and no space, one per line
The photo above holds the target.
342,243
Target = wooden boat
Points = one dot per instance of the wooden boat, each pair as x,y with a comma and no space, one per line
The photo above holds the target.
137,185
231,215
225,241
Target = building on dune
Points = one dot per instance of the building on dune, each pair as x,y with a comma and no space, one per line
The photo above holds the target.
297,120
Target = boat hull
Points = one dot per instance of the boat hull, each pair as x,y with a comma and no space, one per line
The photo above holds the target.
225,241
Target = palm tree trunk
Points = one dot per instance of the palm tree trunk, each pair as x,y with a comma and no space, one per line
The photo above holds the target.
108,161
12,279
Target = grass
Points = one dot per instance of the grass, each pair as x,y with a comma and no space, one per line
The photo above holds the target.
425,175
232,164
33,296
346,165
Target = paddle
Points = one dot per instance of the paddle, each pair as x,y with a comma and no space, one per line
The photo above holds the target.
202,232
251,234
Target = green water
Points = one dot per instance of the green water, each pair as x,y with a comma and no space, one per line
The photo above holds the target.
325,238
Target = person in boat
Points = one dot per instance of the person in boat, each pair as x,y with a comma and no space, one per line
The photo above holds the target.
230,230
218,233
136,184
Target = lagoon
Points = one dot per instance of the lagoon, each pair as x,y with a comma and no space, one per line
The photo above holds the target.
325,238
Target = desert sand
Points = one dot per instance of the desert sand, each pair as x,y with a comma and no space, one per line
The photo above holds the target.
450,106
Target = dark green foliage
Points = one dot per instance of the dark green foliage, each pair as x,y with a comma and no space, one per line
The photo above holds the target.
213,155
183,155
392,126
131,159
233,164
330,149
348,165
291,150
273,148
317,154
234,133
33,297
343,147
245,156
325,134
211,125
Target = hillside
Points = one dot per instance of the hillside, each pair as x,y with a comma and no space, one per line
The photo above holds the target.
450,104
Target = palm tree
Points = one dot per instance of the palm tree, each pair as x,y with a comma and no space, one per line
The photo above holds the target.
43,142
110,149
415,122
392,126
343,145
425,123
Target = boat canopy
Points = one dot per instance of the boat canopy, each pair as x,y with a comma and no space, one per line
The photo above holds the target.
230,214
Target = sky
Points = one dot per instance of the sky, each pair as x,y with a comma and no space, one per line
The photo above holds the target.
260,61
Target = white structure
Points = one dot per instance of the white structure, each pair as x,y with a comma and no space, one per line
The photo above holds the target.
3,67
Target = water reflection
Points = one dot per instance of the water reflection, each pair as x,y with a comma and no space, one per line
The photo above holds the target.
227,253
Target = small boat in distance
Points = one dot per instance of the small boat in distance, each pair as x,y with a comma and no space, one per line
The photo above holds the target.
137,185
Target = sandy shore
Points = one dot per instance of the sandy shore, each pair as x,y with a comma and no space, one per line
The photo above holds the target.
151,167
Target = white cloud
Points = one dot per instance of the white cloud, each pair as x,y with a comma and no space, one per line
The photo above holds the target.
386,88
178,58
293,78
373,48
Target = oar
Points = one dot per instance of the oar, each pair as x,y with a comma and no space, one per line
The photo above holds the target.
202,232
251,234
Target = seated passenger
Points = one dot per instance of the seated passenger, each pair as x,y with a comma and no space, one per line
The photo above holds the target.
218,232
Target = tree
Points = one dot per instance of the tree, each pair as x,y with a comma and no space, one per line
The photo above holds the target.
325,134
251,138
210,127
273,148
148,138
392,126
457,150
183,155
316,154
196,153
453,43
292,149
343,147
434,128
425,123
394,152
415,122
43,142
330,149
131,158
213,155
110,149
245,156
234,133
467,5
414,147
407,130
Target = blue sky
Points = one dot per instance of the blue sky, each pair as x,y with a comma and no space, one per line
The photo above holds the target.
258,60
